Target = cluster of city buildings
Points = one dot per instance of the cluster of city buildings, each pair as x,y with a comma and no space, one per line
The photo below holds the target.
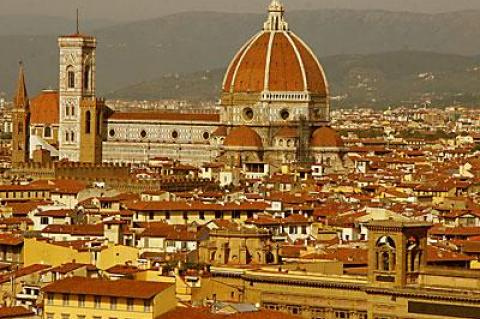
273,207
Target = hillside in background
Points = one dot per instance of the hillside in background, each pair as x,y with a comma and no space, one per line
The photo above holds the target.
394,78
185,43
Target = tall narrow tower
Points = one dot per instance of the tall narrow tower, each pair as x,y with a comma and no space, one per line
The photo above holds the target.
76,83
21,122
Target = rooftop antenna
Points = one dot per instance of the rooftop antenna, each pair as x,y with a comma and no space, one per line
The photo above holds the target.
78,28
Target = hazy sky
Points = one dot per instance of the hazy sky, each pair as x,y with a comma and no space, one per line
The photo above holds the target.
143,9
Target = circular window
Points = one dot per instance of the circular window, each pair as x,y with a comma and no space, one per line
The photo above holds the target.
248,113
174,134
206,135
143,134
111,133
284,114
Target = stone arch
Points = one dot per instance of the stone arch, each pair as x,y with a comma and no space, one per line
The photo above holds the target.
385,250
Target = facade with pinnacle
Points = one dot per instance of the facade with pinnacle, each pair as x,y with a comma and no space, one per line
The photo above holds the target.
274,110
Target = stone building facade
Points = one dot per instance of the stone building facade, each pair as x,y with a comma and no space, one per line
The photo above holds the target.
399,285
274,91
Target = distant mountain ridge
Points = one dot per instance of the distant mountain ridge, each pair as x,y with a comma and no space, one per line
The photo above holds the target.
186,42
383,79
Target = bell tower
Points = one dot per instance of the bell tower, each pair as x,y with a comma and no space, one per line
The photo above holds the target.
91,130
21,122
396,252
76,83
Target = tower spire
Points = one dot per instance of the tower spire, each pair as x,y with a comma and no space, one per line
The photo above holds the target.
78,23
21,96
276,20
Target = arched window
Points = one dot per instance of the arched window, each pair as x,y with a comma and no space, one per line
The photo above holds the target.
67,136
88,120
72,136
86,77
386,255
70,77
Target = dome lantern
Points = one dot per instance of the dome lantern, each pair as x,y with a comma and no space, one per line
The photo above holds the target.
276,20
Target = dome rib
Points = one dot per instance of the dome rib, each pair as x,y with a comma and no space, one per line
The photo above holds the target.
299,59
247,72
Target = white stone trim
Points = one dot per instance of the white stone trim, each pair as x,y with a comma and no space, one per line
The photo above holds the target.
327,88
269,59
300,61
248,47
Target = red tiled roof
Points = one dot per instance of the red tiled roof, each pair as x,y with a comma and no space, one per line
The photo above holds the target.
25,271
111,288
79,230
326,137
44,108
195,206
205,313
243,136
15,312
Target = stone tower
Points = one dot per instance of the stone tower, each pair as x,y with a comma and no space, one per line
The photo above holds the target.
91,130
396,252
21,122
76,83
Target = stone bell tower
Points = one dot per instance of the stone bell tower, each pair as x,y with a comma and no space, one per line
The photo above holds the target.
21,122
76,83
396,252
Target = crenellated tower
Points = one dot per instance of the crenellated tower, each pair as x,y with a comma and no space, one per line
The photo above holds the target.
21,122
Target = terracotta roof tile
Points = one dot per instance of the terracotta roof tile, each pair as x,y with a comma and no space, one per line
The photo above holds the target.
99,287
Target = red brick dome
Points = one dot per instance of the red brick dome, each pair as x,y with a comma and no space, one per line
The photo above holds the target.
326,137
243,136
275,60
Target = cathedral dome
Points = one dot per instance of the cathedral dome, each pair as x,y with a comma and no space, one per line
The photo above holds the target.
275,60
326,137
243,136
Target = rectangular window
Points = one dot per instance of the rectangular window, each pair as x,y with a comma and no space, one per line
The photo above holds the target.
201,215
146,305
50,299
81,300
97,301
71,79
65,316
167,215
130,304
66,299
113,303
185,216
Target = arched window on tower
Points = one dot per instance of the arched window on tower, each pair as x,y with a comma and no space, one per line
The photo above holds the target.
88,120
70,77
86,77
386,254
72,137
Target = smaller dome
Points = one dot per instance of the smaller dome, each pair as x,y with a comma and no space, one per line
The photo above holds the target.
243,136
326,137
